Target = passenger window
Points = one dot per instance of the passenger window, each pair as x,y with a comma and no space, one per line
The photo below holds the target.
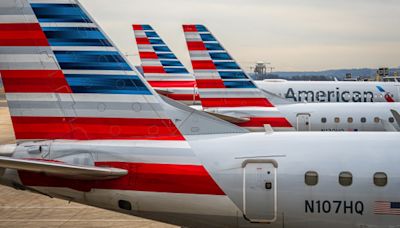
380,179
391,119
345,178
350,120
311,178
337,120
323,120
376,119
363,120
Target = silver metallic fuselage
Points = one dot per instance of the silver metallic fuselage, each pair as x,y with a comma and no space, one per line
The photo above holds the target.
224,156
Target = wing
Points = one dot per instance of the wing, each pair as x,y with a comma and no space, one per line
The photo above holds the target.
63,170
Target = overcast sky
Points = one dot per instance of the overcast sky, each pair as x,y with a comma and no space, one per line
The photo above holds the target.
294,35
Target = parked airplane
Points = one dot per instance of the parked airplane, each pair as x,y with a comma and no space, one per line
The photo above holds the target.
96,133
162,69
226,89
333,91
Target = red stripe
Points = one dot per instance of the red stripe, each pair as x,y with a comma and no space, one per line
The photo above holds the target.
210,83
189,179
189,28
170,84
184,97
389,98
203,65
137,27
90,128
235,102
143,40
27,34
34,81
196,46
261,121
148,55
153,69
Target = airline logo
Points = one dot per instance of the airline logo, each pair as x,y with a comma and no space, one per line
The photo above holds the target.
161,67
388,96
336,95
64,79
221,81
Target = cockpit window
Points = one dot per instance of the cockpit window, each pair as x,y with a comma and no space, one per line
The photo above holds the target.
311,178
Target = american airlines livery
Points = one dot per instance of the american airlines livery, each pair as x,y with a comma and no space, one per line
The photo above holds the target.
91,130
162,69
225,89
333,91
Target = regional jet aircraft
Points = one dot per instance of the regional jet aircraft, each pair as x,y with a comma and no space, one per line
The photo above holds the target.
227,90
91,130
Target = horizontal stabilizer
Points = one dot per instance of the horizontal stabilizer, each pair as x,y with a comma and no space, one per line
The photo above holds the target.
62,170
231,119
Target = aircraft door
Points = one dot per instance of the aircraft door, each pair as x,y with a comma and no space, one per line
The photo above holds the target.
303,122
259,191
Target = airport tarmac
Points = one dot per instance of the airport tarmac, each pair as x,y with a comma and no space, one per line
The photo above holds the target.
25,209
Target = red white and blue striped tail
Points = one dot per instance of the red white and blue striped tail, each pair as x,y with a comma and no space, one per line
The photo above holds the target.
162,69
223,84
65,79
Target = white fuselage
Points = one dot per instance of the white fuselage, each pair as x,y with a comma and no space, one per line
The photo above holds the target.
325,116
332,91
261,178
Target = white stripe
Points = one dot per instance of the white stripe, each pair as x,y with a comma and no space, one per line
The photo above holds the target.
28,58
82,97
77,25
168,77
18,19
151,62
192,36
145,47
179,144
82,48
230,93
139,33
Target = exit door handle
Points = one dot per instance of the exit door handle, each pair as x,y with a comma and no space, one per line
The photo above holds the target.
268,185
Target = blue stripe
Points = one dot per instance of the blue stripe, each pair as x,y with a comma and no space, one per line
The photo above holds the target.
201,28
226,66
147,27
156,41
207,37
213,47
91,60
59,13
239,84
175,70
220,56
106,84
171,63
232,75
151,34
380,89
71,36
166,56
161,48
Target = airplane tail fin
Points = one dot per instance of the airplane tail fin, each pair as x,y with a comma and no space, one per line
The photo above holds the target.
162,69
222,83
65,79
